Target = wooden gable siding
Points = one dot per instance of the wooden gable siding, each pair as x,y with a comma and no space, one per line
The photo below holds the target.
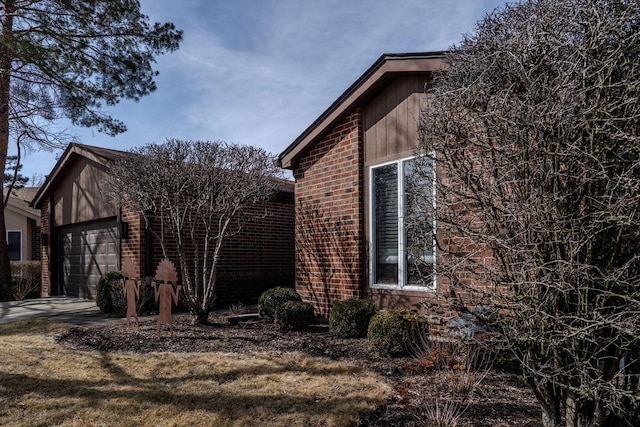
391,119
80,195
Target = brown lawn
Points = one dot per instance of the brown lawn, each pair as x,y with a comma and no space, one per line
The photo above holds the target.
250,374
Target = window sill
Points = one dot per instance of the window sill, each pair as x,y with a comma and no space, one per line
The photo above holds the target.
399,288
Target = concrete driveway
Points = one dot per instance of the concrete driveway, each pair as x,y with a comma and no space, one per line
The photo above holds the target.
76,311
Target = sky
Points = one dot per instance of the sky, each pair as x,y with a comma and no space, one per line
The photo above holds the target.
259,72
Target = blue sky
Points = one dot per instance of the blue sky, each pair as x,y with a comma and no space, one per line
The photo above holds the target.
259,72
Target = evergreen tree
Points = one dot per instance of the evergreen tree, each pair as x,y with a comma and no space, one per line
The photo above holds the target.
71,58
12,176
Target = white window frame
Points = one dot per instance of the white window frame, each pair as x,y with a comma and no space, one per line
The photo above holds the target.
7,240
402,277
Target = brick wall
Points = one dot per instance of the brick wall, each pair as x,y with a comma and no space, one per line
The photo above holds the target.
259,257
35,239
330,258
133,247
331,251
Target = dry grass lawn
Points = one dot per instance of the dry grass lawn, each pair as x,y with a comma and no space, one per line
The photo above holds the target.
44,384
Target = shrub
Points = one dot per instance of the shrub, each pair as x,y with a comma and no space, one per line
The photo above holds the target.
271,299
390,331
104,291
25,279
350,318
110,296
294,315
144,302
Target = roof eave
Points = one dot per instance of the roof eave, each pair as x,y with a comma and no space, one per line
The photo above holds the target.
23,212
386,65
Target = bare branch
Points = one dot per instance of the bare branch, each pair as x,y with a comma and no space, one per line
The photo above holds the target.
200,194
535,131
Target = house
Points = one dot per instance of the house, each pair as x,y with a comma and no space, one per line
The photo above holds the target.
23,225
349,167
85,235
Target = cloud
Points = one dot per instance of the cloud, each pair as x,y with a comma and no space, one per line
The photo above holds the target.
260,72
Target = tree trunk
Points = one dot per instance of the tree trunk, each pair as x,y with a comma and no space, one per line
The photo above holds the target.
548,419
550,416
5,80
571,411
201,317
5,265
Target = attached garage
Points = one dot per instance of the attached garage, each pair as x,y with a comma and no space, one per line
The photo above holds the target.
81,225
87,252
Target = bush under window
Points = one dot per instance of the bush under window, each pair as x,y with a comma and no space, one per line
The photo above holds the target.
350,318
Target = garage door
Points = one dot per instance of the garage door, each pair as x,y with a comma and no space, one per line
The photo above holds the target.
87,252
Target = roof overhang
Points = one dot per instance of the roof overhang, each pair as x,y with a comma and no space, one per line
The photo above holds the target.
23,212
106,157
377,76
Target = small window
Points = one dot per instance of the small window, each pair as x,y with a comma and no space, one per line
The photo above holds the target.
14,245
402,224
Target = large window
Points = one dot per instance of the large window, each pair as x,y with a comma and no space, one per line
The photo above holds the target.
402,225
14,245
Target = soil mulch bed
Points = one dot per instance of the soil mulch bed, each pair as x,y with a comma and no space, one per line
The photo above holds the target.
501,399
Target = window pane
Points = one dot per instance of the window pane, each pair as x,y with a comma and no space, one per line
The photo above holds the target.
418,221
386,224
14,245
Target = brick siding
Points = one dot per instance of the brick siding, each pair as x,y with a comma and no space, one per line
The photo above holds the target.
261,256
133,247
331,251
330,259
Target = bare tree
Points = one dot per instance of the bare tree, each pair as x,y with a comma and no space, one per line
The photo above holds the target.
534,128
195,195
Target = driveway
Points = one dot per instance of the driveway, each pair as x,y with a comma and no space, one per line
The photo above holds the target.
76,311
